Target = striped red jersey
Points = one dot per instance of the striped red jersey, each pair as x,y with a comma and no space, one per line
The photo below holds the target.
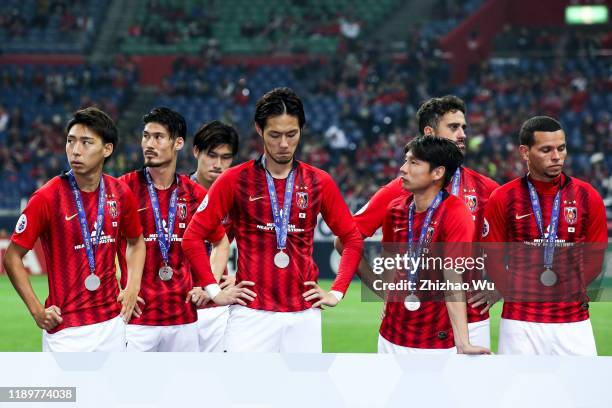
429,326
51,214
242,193
165,300
474,190
509,218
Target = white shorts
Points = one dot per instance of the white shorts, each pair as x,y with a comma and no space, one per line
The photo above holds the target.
251,330
386,347
180,337
104,336
480,333
553,339
211,328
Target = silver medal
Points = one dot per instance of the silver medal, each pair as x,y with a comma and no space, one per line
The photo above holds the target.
412,302
281,260
92,282
165,273
548,277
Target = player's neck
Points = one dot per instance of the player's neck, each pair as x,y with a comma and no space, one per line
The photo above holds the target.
88,182
278,170
543,178
201,180
424,198
163,176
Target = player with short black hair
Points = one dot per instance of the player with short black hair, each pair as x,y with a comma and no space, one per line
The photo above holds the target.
79,217
215,145
546,206
442,117
274,202
428,215
166,203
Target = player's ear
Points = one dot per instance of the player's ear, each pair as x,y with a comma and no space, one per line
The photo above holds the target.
524,151
259,130
108,149
179,143
438,173
196,152
428,131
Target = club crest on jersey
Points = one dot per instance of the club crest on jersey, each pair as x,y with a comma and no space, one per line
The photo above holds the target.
302,200
571,215
182,211
429,235
112,208
472,202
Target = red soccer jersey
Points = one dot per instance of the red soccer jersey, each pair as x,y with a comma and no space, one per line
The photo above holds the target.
165,300
474,190
509,218
429,326
242,193
51,214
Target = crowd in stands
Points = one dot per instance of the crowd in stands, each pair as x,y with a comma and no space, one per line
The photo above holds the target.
59,26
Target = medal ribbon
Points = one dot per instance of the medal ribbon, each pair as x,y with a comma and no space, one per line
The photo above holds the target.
90,249
549,249
430,211
281,218
165,241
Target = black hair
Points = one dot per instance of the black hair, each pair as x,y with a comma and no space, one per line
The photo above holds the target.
172,120
277,102
438,152
97,121
214,134
432,110
537,124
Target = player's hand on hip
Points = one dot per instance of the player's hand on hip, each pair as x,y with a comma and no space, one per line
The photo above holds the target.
130,307
227,281
473,350
197,296
320,296
486,299
236,294
49,318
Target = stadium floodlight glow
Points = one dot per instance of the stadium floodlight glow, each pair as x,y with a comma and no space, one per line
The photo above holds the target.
597,14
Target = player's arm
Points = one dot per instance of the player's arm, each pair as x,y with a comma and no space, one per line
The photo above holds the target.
218,263
596,237
46,319
201,228
135,251
338,217
31,225
494,237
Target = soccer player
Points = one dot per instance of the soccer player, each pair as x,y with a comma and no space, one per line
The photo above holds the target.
546,206
443,117
79,217
429,215
274,202
215,145
166,203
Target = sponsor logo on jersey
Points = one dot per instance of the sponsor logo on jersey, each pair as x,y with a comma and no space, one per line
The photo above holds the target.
485,228
22,223
203,204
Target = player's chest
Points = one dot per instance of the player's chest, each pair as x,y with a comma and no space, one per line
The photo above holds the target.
99,220
255,206
429,232
175,216
571,220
